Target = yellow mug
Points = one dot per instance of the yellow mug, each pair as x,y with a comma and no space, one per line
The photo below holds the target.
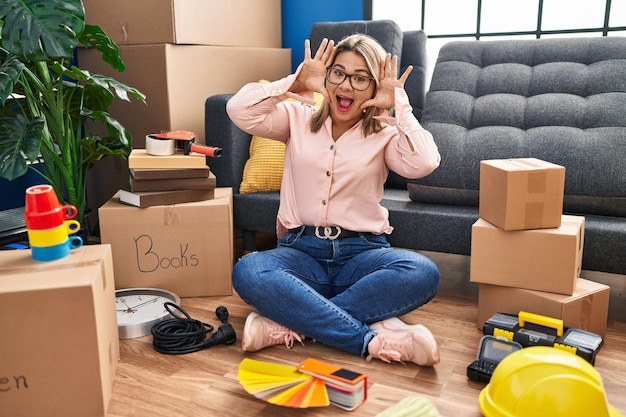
53,236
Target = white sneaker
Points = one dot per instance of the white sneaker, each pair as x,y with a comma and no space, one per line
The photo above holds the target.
260,332
398,341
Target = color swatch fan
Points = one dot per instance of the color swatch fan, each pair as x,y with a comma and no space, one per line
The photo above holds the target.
282,384
312,383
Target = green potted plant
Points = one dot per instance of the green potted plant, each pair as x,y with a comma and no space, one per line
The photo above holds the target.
50,106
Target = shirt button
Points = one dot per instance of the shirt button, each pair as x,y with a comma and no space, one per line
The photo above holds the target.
332,147
328,173
324,202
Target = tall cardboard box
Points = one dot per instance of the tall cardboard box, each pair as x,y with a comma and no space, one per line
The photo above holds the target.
587,308
539,259
521,193
59,347
177,80
184,248
201,22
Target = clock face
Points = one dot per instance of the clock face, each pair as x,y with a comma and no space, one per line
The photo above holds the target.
138,309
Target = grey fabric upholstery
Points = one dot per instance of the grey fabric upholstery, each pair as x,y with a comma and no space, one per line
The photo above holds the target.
560,100
386,32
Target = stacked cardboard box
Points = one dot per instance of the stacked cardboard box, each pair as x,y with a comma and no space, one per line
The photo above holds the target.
179,52
60,348
184,248
526,255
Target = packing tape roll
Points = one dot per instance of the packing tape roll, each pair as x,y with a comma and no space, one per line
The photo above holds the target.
160,147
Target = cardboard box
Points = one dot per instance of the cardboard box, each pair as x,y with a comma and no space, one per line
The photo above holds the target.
177,80
59,347
184,248
522,193
199,22
540,259
586,309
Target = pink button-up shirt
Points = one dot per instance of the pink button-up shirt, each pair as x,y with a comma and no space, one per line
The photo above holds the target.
327,182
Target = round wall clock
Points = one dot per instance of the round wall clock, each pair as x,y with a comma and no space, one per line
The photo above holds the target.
138,309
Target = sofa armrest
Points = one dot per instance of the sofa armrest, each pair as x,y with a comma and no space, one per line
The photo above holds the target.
220,131
414,53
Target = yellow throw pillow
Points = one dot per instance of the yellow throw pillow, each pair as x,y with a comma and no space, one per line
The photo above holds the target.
263,171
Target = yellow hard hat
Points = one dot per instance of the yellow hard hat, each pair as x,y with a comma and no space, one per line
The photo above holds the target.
545,381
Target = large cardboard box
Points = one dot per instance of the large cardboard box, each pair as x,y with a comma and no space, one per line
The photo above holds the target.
587,308
184,248
201,22
177,80
59,347
539,259
521,193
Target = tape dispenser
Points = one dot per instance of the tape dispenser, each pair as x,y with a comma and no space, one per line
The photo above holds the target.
166,143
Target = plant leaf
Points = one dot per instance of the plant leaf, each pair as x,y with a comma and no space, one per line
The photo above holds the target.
41,29
18,137
95,37
10,71
119,137
110,84
95,148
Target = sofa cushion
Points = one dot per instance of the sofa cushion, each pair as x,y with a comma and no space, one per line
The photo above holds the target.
263,171
386,32
442,195
560,100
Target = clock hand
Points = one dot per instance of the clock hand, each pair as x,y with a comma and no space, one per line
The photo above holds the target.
128,309
144,303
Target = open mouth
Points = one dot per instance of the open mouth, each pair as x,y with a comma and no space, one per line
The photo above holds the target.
344,104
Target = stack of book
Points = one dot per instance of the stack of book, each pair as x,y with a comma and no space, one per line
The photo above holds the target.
162,180
312,383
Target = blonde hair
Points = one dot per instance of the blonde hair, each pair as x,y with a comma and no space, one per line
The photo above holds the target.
372,52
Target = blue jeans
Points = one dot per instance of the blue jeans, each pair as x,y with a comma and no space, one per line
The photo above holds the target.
330,290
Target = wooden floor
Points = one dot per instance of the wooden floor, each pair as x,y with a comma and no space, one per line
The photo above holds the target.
205,383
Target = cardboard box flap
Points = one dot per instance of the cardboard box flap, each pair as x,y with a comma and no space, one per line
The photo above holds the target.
523,164
19,272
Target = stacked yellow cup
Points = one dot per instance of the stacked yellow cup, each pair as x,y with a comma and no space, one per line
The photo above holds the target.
49,224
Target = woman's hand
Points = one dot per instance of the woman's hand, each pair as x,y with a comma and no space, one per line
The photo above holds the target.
385,95
313,72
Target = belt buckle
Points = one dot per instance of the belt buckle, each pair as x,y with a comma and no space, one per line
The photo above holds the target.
328,232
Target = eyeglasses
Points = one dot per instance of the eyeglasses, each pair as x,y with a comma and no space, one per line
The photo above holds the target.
358,82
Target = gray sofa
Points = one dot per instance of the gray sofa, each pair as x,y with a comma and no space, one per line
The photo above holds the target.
560,100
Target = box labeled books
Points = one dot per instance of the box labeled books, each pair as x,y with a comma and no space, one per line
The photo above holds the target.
184,248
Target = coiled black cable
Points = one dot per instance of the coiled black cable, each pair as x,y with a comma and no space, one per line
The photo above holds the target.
180,335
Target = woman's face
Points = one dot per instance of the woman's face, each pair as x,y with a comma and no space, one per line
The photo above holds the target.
345,100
